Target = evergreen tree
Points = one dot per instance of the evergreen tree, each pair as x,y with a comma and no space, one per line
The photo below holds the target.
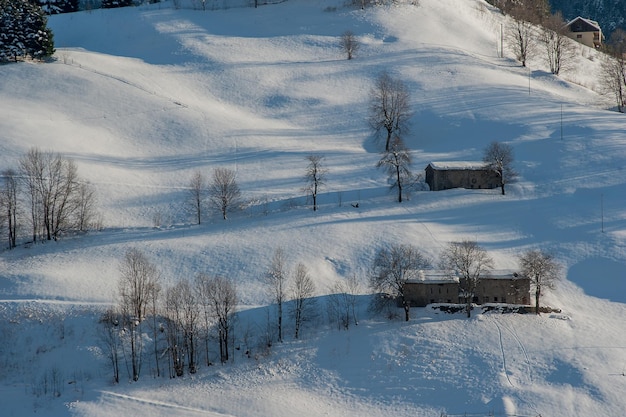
24,31
110,4
57,6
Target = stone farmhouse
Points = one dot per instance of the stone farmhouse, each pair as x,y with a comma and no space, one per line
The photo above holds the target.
585,31
436,287
458,174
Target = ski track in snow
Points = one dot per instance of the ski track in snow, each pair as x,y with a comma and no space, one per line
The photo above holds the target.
162,404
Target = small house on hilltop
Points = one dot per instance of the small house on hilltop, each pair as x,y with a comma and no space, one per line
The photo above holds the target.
436,287
459,174
585,31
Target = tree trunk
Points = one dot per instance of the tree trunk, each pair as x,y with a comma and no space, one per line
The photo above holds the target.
407,309
399,184
502,187
280,322
537,295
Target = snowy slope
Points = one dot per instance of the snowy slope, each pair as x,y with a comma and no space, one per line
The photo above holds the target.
142,97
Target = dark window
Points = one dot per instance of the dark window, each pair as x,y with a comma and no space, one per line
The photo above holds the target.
495,299
579,36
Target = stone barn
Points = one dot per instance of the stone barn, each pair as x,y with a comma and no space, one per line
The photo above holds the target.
435,287
471,175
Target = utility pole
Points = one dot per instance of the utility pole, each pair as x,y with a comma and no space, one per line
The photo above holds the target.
501,41
602,211
561,121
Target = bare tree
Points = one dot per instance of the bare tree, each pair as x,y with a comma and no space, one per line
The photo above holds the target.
203,291
85,206
342,302
390,110
542,269
224,192
396,161
154,307
499,157
521,37
197,190
183,308
174,332
276,279
223,298
614,68
393,267
110,335
315,177
138,277
32,172
52,184
468,262
8,204
558,46
302,291
349,44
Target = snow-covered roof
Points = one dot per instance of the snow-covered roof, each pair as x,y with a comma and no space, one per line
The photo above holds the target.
438,276
466,165
590,22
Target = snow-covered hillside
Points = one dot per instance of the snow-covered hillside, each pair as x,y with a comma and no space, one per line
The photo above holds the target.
142,97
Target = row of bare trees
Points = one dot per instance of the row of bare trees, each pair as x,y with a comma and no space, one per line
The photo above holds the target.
532,27
47,192
184,319
179,319
464,260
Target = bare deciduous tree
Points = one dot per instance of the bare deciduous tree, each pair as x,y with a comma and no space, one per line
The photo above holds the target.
393,267
542,270
223,298
138,278
197,190
8,204
109,332
315,177
56,198
614,68
349,44
521,38
203,290
468,262
276,279
174,332
85,207
558,46
342,302
302,291
224,192
499,157
183,308
396,161
390,110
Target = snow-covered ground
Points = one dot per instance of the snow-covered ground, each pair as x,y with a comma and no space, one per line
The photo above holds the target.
142,97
